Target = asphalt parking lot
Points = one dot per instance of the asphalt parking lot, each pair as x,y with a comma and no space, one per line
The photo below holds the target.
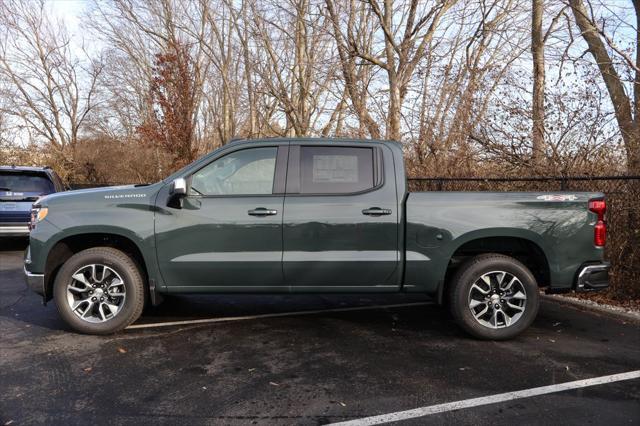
333,365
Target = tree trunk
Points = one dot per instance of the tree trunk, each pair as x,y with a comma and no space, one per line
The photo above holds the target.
395,102
629,126
538,113
634,145
249,78
633,153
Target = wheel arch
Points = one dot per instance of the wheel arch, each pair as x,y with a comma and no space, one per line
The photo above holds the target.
526,249
69,245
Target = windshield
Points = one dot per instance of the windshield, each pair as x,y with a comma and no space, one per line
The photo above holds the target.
25,182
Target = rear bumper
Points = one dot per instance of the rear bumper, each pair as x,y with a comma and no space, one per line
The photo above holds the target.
593,277
14,231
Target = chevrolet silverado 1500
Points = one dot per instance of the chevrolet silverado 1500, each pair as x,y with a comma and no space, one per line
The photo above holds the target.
311,216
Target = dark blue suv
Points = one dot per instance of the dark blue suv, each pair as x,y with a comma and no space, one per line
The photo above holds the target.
19,188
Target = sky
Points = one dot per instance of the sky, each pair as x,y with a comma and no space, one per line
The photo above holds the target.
70,11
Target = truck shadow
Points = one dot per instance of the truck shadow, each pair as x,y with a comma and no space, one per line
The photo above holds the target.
395,315
419,314
195,307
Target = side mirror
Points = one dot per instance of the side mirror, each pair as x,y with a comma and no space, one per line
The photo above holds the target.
178,187
177,191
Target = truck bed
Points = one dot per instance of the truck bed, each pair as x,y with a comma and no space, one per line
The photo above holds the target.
440,225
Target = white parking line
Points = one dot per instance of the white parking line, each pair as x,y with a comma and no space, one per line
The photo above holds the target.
275,315
491,399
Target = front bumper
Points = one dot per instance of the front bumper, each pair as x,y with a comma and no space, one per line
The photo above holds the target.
14,231
35,282
593,277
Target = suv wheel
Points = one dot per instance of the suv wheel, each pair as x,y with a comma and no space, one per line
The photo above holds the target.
99,291
494,297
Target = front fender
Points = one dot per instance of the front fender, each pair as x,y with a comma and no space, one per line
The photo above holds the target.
58,228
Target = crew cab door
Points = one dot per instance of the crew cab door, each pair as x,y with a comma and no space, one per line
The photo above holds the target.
227,235
341,221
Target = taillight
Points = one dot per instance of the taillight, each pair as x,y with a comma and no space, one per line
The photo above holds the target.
600,234
599,207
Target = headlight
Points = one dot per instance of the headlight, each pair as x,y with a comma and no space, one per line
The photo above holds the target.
37,215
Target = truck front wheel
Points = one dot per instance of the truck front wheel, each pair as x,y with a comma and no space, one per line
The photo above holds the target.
494,297
99,291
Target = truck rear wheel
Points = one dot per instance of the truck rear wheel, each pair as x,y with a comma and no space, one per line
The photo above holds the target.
99,291
494,297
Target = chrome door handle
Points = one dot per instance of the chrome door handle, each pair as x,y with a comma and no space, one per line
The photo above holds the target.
376,211
261,211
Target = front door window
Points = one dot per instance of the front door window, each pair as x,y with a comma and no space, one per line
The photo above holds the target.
246,172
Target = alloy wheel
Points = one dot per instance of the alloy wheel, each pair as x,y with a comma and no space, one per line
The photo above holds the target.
497,299
96,293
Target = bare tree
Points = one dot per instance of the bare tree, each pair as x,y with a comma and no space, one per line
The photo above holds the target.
451,79
293,60
129,52
212,29
135,32
359,28
49,89
240,23
400,56
627,110
449,113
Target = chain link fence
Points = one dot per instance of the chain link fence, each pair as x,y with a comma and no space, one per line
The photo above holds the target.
623,215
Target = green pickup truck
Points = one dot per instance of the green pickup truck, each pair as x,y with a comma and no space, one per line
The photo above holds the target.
311,216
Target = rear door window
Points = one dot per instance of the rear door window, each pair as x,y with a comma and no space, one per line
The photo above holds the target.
25,182
335,170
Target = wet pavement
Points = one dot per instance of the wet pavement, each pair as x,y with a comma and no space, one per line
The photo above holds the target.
319,368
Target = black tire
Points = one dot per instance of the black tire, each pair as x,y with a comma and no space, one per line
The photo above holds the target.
125,267
461,294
